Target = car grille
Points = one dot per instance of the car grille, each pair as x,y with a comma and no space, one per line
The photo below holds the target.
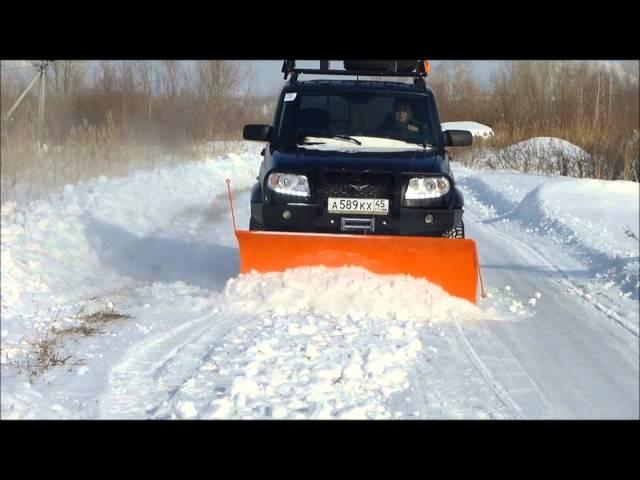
360,186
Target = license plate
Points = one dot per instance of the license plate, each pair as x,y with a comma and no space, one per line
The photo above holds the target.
371,206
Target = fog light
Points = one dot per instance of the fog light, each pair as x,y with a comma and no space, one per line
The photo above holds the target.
428,219
286,214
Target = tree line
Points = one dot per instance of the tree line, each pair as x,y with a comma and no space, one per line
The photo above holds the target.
594,105
171,102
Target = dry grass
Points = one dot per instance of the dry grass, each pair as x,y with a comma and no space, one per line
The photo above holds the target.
30,172
43,354
90,324
102,316
46,353
611,154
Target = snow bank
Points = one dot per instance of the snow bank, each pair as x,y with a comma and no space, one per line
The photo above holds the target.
548,155
597,217
51,248
476,129
590,218
596,211
219,147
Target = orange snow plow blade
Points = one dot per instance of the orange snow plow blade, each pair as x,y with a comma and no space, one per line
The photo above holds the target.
450,263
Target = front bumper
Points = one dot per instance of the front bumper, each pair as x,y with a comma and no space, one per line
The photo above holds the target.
309,218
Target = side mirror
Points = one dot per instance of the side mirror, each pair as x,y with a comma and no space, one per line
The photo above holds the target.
457,138
258,133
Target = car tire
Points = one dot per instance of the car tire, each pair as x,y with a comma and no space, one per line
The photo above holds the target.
457,232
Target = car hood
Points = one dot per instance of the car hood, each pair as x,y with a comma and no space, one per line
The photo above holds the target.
420,161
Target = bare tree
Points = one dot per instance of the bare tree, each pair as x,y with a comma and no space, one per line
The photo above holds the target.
216,81
67,77
106,78
126,89
144,75
171,75
596,109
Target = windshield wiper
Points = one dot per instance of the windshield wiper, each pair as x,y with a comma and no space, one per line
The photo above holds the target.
338,137
408,140
348,138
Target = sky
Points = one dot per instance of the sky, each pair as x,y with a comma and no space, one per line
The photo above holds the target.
269,78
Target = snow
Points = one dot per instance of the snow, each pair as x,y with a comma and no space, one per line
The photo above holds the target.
345,291
535,153
548,155
221,147
579,206
588,216
476,129
556,336
52,245
368,144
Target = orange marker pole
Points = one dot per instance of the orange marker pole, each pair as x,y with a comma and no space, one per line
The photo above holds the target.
233,215
483,294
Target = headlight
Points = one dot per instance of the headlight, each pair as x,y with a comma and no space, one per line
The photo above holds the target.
420,188
289,184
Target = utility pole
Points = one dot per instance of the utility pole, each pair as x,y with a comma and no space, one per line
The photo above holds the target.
22,95
43,82
552,97
42,71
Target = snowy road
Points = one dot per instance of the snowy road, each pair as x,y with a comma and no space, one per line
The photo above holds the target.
556,338
583,364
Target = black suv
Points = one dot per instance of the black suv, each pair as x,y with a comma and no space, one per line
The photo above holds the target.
357,156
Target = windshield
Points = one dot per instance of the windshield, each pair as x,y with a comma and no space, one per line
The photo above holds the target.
309,117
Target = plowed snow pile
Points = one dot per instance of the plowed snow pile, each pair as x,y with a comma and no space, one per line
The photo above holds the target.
345,291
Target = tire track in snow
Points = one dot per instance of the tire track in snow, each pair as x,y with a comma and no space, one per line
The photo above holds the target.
135,389
530,251
564,344
533,251
152,371
447,386
497,389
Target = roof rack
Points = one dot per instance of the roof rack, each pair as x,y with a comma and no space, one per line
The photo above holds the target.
394,68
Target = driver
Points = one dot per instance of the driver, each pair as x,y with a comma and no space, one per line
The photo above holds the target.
400,123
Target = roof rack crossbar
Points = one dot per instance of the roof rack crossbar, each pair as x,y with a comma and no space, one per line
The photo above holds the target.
289,68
